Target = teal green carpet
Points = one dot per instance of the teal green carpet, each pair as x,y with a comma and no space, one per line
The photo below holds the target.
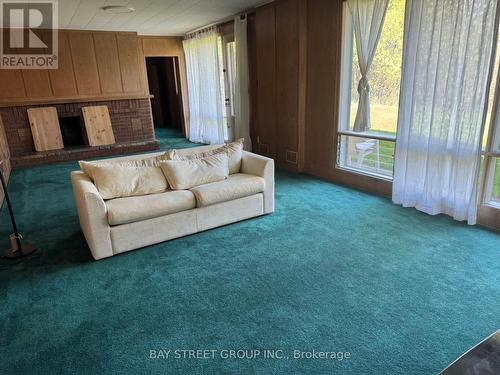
332,269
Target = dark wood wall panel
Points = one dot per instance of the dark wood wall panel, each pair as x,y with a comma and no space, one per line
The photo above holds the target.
266,80
324,32
277,53
287,75
252,68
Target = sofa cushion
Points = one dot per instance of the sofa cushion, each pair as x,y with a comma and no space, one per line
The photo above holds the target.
146,161
132,209
236,186
233,150
185,174
113,181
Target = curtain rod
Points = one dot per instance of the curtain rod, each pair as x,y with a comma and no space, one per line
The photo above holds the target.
215,24
227,19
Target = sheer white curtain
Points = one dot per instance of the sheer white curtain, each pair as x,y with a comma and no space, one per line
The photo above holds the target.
368,19
206,122
242,97
446,66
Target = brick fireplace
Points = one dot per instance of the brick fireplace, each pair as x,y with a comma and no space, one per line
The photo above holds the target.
130,119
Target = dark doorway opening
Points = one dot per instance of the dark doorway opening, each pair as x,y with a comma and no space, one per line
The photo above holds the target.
72,131
164,85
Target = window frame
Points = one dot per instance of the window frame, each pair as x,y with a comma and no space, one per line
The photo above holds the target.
491,154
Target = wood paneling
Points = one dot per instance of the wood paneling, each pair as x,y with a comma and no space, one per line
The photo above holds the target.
287,74
277,46
252,70
161,46
89,68
45,128
324,29
128,52
98,125
84,63
62,79
266,80
12,84
37,83
108,64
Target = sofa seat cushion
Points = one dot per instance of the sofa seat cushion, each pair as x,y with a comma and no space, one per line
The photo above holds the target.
133,209
236,186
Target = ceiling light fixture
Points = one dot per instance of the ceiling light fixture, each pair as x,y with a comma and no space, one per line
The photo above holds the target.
117,9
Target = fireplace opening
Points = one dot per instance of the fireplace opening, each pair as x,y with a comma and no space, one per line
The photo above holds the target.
72,131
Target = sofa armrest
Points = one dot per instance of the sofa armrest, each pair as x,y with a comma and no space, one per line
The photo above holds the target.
93,215
261,166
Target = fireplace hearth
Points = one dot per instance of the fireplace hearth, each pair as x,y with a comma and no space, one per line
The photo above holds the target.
131,122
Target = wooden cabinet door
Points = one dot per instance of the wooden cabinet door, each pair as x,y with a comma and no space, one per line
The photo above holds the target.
45,128
265,26
98,125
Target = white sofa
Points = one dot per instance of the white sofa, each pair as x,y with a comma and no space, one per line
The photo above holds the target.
118,225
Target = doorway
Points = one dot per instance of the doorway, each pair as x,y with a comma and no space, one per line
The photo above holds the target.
164,85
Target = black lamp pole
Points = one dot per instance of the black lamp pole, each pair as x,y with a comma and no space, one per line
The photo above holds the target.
18,250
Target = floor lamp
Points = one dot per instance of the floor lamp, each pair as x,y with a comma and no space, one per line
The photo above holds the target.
17,249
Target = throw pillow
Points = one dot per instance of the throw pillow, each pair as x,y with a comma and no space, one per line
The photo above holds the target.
234,152
186,174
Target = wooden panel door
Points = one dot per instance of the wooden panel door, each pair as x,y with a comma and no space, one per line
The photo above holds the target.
84,63
45,128
62,79
266,80
98,125
287,72
132,69
108,63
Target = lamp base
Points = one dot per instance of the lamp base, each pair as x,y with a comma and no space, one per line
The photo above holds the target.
26,249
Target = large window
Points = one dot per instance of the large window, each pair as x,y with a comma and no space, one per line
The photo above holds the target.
227,64
372,152
490,163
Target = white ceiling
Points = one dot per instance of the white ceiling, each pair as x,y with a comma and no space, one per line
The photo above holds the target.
151,17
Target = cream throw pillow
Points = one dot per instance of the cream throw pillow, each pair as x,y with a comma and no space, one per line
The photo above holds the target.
234,152
117,181
89,166
186,174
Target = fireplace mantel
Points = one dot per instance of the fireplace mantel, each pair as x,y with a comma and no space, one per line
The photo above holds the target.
63,100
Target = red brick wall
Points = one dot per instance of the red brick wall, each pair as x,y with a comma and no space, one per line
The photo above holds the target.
130,119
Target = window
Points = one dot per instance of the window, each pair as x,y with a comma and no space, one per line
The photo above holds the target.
227,64
372,152
491,141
